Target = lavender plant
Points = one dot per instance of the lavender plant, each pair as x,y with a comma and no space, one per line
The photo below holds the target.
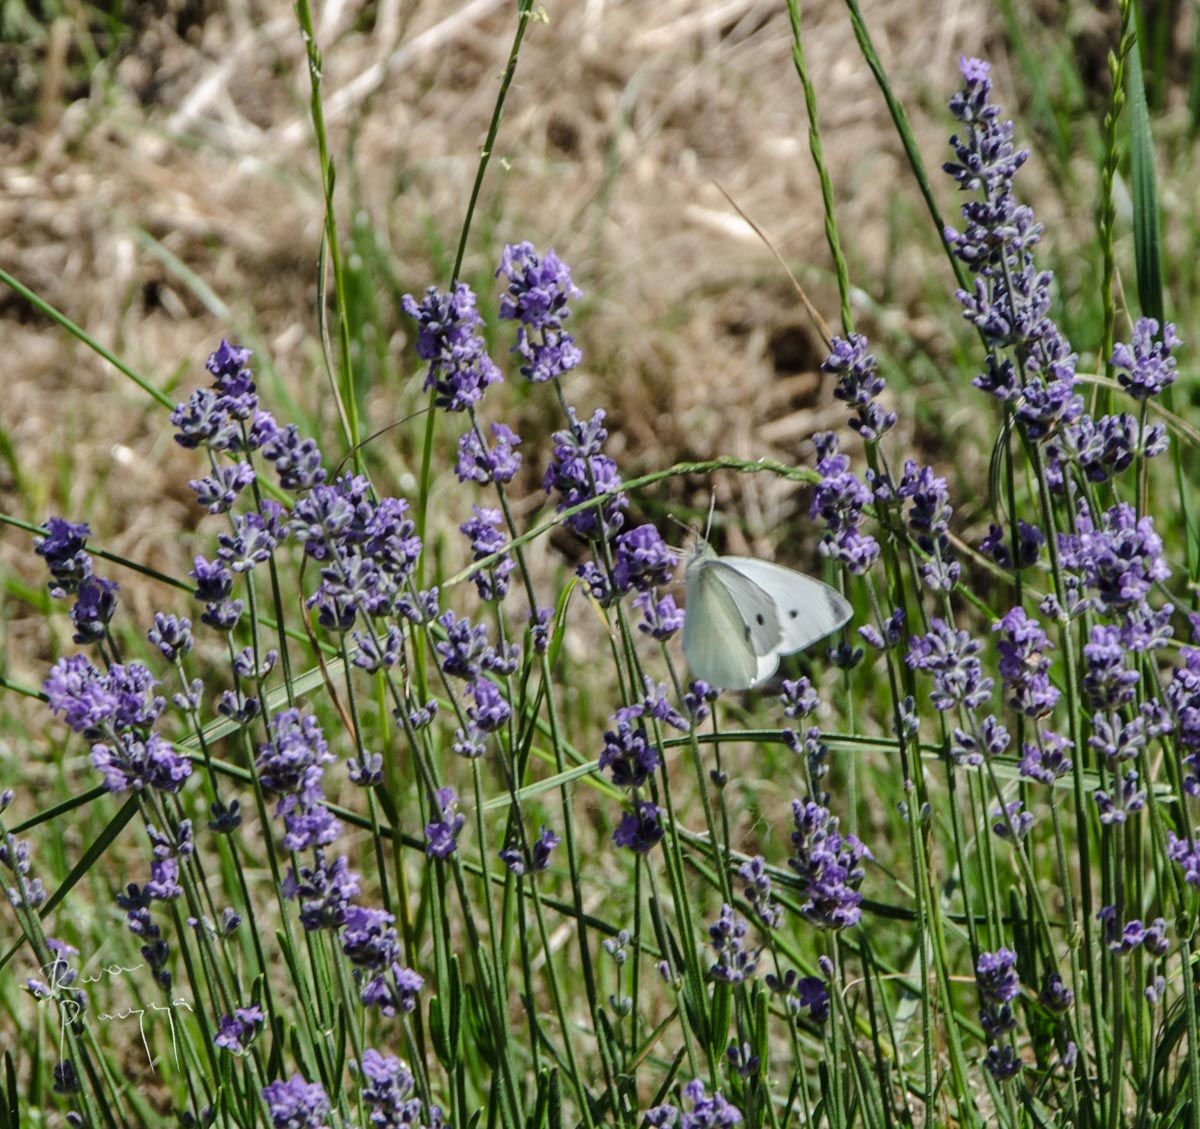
390,878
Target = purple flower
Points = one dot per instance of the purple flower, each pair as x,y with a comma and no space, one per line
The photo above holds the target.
294,759
1002,1063
1047,760
996,976
63,551
889,637
579,473
949,656
441,835
221,614
629,750
799,699
227,363
998,545
388,1094
706,1112
366,772
998,984
486,539
1101,448
1128,800
172,635
1185,852
838,500
1145,367
81,693
1055,996
537,295
660,618
236,1032
928,517
727,936
1010,299
490,711
859,384
324,892
829,866
1108,682
1120,559
137,764
448,338
296,1104
1012,821
308,821
95,603
479,463
641,828
66,1078
369,938
539,859
643,560
218,491
800,994
464,649
1117,739
205,419
543,846
1024,667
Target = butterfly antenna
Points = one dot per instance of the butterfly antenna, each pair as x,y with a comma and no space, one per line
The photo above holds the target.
712,505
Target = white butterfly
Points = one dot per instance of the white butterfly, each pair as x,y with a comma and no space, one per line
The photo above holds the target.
743,613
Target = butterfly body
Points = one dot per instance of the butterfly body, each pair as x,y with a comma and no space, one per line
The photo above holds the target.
742,614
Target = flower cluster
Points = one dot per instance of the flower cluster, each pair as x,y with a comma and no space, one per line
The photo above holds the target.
389,1093
727,935
579,474
538,291
1030,365
296,1104
998,984
859,384
839,500
449,338
951,657
828,865
705,1113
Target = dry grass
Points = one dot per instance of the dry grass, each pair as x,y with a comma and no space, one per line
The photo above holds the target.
177,201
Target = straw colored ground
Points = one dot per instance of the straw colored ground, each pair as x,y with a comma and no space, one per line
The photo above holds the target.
172,198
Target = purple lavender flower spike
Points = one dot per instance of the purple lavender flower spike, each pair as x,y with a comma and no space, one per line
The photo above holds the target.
859,384
1145,366
296,1104
441,835
951,657
829,866
1010,300
448,337
537,295
62,548
1024,666
641,828
477,462
839,500
578,473
643,560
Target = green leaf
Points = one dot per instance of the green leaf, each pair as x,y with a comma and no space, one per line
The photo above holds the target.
1147,241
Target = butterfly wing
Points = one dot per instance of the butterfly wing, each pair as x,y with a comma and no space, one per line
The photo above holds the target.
807,609
722,635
